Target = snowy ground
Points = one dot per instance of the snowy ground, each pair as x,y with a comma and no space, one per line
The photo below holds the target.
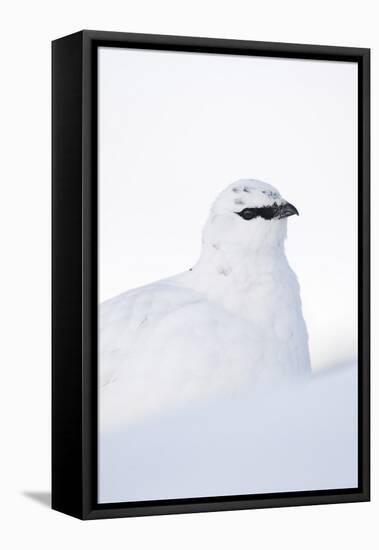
298,437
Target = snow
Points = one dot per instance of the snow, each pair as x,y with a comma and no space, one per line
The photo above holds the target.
301,436
206,386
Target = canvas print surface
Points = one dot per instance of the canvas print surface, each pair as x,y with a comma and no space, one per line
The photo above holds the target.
227,275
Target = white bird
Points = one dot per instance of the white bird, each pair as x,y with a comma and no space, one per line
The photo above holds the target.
233,321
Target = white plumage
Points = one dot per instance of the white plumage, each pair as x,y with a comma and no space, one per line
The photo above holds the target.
233,321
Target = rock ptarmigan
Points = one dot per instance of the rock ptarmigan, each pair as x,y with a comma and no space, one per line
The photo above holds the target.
233,321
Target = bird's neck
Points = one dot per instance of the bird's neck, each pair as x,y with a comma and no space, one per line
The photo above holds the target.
233,268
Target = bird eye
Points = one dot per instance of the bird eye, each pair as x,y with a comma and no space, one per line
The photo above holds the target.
247,213
264,212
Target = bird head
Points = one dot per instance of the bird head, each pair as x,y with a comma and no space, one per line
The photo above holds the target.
248,214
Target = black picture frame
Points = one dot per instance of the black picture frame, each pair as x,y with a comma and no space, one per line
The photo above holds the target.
74,272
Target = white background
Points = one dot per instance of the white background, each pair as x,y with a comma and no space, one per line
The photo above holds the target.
175,129
27,30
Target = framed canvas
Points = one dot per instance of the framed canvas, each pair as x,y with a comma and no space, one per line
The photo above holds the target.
210,274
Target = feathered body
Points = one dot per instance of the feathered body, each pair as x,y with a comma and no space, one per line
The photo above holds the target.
233,321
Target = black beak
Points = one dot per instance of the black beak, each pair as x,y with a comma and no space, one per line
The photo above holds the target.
287,209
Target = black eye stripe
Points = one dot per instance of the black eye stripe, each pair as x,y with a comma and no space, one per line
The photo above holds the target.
265,212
